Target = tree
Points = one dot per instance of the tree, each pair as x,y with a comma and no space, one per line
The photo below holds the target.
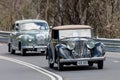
102,15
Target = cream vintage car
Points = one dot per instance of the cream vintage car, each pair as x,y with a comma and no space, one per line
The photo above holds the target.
29,35
74,45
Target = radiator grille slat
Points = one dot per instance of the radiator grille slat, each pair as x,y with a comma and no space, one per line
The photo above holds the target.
81,49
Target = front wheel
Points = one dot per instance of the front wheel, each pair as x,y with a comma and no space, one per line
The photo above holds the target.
100,64
60,66
9,47
12,51
23,52
51,64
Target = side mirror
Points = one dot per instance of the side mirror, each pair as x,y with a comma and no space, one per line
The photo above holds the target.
17,27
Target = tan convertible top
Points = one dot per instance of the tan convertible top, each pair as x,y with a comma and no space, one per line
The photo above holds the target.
71,27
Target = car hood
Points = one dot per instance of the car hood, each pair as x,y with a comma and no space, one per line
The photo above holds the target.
37,37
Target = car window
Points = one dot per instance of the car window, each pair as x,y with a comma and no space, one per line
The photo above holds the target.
74,33
33,26
43,26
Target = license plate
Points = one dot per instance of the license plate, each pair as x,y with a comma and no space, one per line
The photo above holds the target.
82,62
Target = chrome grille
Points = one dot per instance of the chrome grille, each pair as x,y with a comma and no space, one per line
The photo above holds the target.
80,51
81,48
40,40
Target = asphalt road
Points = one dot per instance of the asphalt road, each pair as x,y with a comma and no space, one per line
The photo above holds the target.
11,69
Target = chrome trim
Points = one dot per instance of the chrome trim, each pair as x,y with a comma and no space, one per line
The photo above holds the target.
83,59
33,47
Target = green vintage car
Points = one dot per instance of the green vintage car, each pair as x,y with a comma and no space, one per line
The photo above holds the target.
29,35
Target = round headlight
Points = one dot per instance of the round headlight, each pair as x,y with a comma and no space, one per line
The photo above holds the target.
71,45
90,44
30,38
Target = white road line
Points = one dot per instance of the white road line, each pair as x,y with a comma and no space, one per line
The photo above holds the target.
53,76
116,61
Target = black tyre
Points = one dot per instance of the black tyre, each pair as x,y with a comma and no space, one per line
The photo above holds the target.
12,51
51,64
19,45
90,63
23,52
9,47
47,55
100,64
60,66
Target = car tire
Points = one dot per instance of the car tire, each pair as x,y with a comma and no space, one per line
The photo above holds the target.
19,45
100,64
23,52
60,66
90,63
51,65
47,54
12,51
9,47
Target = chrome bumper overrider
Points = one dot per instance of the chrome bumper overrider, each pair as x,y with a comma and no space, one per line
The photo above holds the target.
83,59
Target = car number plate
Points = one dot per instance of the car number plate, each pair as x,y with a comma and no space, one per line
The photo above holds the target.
82,62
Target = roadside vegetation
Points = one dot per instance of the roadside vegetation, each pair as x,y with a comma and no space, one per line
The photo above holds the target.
102,15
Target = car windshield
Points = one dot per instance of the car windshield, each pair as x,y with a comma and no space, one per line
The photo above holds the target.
74,33
33,26
76,39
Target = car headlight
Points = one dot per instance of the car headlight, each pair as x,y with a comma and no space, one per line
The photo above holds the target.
91,44
27,38
71,45
30,39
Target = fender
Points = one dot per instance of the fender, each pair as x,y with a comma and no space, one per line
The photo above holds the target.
49,52
60,52
98,50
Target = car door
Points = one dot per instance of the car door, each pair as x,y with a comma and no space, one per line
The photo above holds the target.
14,37
53,43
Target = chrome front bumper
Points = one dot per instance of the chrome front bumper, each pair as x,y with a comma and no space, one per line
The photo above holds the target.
35,48
82,59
